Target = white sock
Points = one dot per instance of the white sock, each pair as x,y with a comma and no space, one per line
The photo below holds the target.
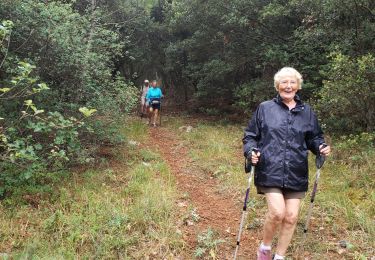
264,247
278,257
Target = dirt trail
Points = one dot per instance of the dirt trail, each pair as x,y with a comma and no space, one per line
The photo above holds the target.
217,210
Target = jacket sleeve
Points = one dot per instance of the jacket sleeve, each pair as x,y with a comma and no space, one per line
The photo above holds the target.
252,132
314,137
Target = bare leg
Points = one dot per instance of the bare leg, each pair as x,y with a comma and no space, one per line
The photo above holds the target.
150,115
288,225
156,111
274,217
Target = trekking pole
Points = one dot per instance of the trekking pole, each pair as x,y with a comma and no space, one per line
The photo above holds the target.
160,115
248,168
319,161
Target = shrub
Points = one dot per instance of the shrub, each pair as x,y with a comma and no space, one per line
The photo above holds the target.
31,140
347,100
251,94
355,148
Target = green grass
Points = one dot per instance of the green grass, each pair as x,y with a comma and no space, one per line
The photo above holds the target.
344,206
217,150
135,130
125,210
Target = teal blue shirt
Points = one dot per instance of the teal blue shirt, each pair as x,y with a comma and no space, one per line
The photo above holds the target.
153,93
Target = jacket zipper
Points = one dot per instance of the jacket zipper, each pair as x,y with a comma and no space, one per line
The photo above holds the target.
288,122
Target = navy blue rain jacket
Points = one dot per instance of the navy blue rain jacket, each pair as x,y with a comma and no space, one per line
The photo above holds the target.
283,137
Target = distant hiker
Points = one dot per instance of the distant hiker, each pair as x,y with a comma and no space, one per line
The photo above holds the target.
144,105
153,98
283,129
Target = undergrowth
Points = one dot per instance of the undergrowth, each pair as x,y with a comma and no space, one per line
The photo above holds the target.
208,242
121,209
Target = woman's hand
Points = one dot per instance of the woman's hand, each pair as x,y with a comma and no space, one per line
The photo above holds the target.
255,157
325,150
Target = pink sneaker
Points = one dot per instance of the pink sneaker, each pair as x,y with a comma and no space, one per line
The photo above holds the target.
263,254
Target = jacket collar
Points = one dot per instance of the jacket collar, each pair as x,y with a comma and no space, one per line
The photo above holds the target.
299,106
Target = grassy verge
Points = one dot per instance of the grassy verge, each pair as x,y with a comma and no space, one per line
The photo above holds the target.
345,204
122,209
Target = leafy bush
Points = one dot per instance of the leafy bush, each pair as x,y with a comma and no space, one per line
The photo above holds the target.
249,95
347,99
355,149
57,63
121,97
32,140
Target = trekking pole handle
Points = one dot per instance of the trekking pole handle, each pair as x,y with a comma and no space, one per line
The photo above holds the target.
248,163
255,150
320,158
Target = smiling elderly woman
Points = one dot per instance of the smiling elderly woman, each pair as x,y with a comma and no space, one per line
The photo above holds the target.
283,129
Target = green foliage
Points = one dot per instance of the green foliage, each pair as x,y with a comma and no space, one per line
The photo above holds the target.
249,95
211,79
59,85
122,97
356,149
30,139
34,140
5,28
207,244
75,53
87,112
347,100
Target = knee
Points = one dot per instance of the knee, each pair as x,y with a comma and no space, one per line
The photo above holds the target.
291,218
276,216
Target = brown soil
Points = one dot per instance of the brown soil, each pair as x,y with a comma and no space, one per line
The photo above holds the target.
217,210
